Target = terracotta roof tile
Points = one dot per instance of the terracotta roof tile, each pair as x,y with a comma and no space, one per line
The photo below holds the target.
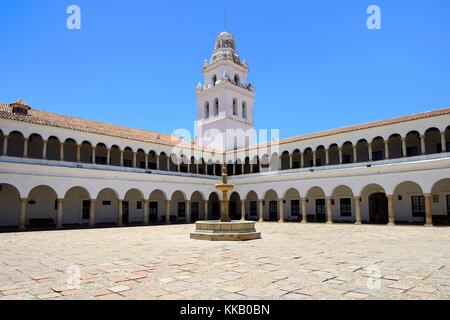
66,122
424,115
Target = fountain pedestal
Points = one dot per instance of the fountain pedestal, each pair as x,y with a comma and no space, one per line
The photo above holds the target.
225,229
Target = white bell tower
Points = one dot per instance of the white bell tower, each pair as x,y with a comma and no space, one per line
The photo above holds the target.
225,100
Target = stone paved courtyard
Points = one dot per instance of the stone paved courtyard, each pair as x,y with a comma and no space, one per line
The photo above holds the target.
292,261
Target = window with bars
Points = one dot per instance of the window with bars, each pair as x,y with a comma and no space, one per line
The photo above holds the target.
295,208
418,206
346,207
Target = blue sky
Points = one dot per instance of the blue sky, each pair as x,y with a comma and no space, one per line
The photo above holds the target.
314,64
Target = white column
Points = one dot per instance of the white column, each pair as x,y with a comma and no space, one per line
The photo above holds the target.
44,150
121,158
61,152
243,210
261,210
327,157
340,156
391,212
146,217
59,214
22,214
5,145
291,161
370,152
119,212
423,146
358,217
329,211
134,159
188,212
25,148
146,161
92,213
281,209
205,203
404,148
78,153
168,211
428,210
93,155
386,150
355,154
314,158
108,156
157,163
168,163
443,142
302,160
304,212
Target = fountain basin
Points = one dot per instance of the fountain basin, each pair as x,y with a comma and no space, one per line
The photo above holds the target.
226,231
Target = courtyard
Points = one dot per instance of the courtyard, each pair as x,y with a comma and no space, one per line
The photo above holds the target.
292,261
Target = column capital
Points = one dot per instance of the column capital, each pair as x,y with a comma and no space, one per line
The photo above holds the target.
389,196
357,198
427,195
23,200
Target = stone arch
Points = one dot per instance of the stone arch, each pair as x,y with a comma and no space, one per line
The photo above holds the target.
285,161
41,207
441,201
128,157
433,142
292,204
16,143
53,149
378,149
157,203
163,161
213,206
409,202
133,207
70,150
347,153
9,205
271,208
140,159
296,159
251,206
395,146
86,152
413,144
76,206
106,207
178,207
343,204
320,156
235,206
316,204
197,206
362,150
35,146
374,204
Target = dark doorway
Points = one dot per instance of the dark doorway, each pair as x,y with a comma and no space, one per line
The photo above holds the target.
273,210
86,208
378,208
215,210
153,212
233,211
125,212
195,211
321,210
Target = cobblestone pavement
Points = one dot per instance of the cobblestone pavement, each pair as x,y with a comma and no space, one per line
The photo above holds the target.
292,261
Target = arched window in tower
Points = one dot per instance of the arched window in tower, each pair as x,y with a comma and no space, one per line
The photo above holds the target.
207,110
237,80
216,107
244,110
214,80
235,107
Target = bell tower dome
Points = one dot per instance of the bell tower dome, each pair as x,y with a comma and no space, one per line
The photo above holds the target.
225,99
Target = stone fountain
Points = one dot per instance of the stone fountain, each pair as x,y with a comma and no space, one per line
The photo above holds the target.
225,229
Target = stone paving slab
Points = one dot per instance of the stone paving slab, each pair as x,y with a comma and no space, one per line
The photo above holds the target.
292,261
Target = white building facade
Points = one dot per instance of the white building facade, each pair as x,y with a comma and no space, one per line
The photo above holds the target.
59,171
